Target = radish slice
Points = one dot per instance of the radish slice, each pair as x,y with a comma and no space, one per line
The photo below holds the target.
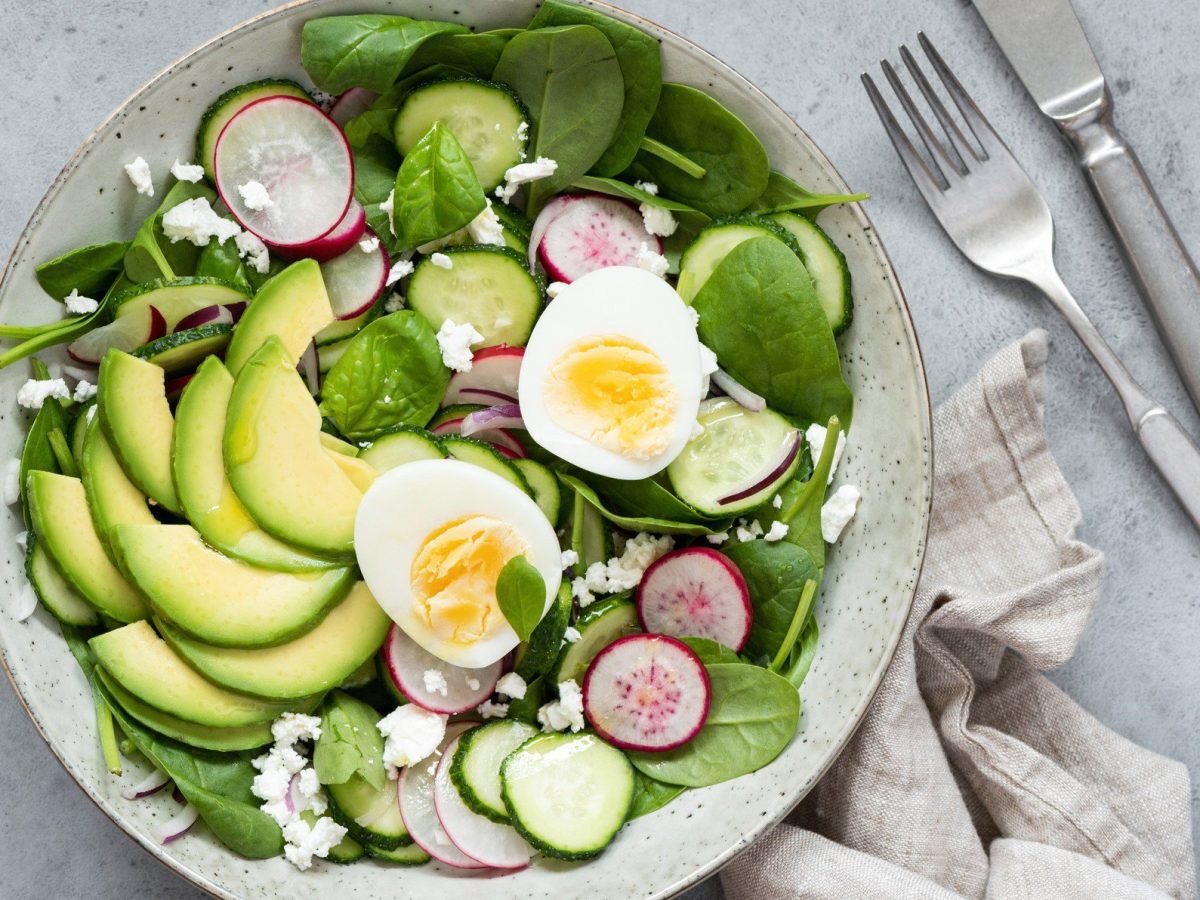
594,233
178,825
345,234
350,103
419,813
696,592
504,415
646,692
504,440
737,392
549,213
492,378
355,279
489,843
151,784
408,662
209,315
299,155
124,333
772,471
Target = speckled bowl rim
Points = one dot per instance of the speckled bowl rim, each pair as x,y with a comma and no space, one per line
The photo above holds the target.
885,660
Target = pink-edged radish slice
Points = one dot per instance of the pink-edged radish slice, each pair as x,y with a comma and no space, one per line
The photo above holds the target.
646,692
351,103
549,213
355,279
502,415
125,333
594,233
489,843
503,440
299,155
492,378
408,662
343,238
417,808
208,315
696,592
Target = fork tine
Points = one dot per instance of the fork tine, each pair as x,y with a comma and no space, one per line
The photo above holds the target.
949,170
976,121
929,185
957,140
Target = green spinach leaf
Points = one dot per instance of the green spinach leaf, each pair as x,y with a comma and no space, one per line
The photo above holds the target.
775,575
221,260
760,314
375,164
754,713
782,194
802,501
350,743
521,595
437,191
710,652
151,254
37,454
391,374
644,497
377,120
570,81
474,54
525,709
650,795
639,523
89,270
615,188
674,157
802,655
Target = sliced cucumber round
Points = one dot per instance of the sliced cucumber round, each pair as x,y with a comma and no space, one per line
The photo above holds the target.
389,683
347,850
55,592
483,454
826,266
452,412
408,855
514,221
403,444
537,655
229,104
489,287
184,350
715,241
177,298
328,355
738,461
485,118
546,492
371,816
599,625
340,329
475,769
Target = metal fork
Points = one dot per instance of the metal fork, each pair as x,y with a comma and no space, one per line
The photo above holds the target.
995,215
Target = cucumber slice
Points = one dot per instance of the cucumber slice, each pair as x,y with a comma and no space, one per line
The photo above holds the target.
713,244
229,104
537,655
599,625
385,677
567,794
408,855
452,412
404,443
178,298
826,266
484,455
328,355
483,116
55,592
340,329
475,769
184,350
513,221
347,850
371,816
489,287
546,492
736,449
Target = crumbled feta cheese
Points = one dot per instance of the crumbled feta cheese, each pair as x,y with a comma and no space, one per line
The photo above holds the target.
304,843
554,288
139,173
624,572
523,131
777,501
255,196
455,342
22,540
658,221
569,558
369,245
695,316
490,710
777,532
290,728
307,795
571,635
84,391
442,261
435,682
512,685
837,511
708,365
33,393
196,221
564,713
79,305
815,435
485,228
410,734
648,187
748,531
251,248
473,683
653,262
389,206
187,172
579,590
719,537
402,269
393,303
12,481
523,173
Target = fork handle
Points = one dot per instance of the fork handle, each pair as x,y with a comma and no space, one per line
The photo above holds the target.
1177,459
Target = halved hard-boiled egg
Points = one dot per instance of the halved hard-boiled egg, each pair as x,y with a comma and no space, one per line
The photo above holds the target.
431,538
611,378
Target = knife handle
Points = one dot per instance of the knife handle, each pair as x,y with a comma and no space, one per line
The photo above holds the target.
1163,271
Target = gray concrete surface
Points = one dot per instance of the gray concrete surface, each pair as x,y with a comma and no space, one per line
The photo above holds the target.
64,65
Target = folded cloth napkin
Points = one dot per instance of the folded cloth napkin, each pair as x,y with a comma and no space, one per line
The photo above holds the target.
972,775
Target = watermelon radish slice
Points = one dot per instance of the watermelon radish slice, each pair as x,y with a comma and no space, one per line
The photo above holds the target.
696,592
125,333
354,280
299,155
490,843
503,439
646,692
549,213
350,103
492,378
594,232
341,239
417,809
209,315
408,662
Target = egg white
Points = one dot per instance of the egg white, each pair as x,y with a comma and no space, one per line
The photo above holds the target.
615,300
405,504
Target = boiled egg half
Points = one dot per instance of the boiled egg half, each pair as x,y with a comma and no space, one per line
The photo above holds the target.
611,378
431,538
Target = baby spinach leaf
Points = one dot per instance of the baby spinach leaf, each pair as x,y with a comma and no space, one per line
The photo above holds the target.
525,709
615,188
640,60
221,260
521,595
760,314
650,795
350,743
474,54
782,194
640,522
735,164
645,497
437,191
570,81
151,254
710,652
775,575
89,270
802,501
674,157
38,454
391,374
754,713
369,51
375,165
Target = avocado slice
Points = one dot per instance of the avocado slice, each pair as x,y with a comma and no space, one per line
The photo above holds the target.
142,663
137,420
311,664
360,473
288,481
220,600
59,512
293,306
244,737
111,497
206,494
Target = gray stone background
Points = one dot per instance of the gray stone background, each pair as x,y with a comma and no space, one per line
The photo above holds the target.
64,65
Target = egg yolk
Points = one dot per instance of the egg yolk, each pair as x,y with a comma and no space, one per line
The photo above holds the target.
614,392
454,572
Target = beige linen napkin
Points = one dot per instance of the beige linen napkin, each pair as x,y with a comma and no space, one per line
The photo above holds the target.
972,774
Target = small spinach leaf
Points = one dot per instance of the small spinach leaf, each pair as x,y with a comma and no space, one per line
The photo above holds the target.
350,743
38,454
89,270
639,523
615,188
644,497
151,254
775,575
802,501
710,652
650,795
375,165
521,595
437,191
221,260
474,54
782,194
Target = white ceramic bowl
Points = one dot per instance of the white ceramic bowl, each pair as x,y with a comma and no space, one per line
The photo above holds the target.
871,575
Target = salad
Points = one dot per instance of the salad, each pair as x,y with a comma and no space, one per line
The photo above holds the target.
443,469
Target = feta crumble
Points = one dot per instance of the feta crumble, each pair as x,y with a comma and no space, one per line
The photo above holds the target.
139,174
523,131
84,391
565,712
435,682
485,228
708,365
554,288
777,532
695,316
304,842
815,435
837,512
658,221
393,303
490,710
473,683
291,728
389,206
369,245
455,342
79,305
512,685
410,734
569,558
255,196
571,635
719,538
251,248
402,269
196,221
187,172
777,501
33,393
523,173
12,481
624,572
748,531
653,262
442,261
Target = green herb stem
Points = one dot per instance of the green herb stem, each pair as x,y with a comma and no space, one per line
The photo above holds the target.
108,737
62,452
793,632
674,157
820,477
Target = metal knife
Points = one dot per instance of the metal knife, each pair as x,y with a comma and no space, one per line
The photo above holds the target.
1047,48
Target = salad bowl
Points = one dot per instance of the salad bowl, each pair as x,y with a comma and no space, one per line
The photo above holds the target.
871,575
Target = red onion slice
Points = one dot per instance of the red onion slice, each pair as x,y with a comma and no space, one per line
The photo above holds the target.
771,472
504,415
483,395
289,799
178,825
738,393
209,315
151,784
236,310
